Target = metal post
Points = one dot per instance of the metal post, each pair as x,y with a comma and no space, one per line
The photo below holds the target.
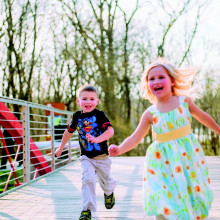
26,144
69,149
52,140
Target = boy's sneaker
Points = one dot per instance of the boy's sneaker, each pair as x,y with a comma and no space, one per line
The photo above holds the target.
85,215
109,201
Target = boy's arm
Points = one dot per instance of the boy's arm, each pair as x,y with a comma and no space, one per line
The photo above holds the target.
203,117
66,136
103,137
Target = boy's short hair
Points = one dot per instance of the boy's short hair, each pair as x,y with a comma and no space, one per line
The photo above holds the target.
87,88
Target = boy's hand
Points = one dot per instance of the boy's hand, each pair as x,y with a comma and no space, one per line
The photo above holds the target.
113,150
58,152
91,138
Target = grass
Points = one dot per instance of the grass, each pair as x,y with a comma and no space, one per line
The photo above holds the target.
4,177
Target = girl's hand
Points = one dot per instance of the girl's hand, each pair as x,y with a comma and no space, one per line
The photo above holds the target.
91,138
58,152
113,150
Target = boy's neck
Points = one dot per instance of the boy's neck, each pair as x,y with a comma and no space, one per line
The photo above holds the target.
87,112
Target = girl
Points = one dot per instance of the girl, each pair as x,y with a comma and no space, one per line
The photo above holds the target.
176,183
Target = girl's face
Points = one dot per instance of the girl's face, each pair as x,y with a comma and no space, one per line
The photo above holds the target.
87,101
159,82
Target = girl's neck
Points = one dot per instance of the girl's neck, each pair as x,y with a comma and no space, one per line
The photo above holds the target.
165,99
167,103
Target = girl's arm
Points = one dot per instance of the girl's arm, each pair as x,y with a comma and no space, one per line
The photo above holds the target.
202,116
103,137
133,140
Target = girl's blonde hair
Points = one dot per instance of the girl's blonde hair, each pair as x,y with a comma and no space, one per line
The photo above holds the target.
182,78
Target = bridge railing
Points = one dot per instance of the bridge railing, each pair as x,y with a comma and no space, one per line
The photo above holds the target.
29,135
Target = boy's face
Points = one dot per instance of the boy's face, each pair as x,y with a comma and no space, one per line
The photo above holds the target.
87,101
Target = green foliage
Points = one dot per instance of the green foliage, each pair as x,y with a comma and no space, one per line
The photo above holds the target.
4,177
210,103
122,130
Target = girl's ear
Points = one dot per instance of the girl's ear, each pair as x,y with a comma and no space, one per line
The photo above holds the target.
172,81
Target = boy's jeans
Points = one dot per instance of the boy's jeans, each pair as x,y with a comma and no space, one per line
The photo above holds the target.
90,169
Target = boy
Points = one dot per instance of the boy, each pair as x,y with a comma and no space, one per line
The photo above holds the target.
94,130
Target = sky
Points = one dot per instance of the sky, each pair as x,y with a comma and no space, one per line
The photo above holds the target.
209,28
206,44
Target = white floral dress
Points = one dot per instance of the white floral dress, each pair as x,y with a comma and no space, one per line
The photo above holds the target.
176,182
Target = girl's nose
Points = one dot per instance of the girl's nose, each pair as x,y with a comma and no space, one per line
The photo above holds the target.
156,82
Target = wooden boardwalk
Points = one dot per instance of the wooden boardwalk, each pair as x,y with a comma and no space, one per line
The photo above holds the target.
57,196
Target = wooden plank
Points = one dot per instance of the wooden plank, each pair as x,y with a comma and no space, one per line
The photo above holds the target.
57,196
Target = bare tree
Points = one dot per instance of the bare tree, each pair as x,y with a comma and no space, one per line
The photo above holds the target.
174,16
68,69
125,82
1,29
20,63
97,32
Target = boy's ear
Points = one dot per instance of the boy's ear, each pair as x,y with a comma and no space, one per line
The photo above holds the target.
77,100
97,101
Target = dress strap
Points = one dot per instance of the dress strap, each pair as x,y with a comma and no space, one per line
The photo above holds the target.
182,99
152,109
173,135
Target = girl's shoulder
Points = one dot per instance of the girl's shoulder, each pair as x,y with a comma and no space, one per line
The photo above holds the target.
147,116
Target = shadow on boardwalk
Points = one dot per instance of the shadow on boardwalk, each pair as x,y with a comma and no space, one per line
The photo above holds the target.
57,196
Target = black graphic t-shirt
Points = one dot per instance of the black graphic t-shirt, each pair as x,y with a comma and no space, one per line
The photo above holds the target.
95,123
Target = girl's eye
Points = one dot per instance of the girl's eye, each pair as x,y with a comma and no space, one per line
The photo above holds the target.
161,77
151,79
